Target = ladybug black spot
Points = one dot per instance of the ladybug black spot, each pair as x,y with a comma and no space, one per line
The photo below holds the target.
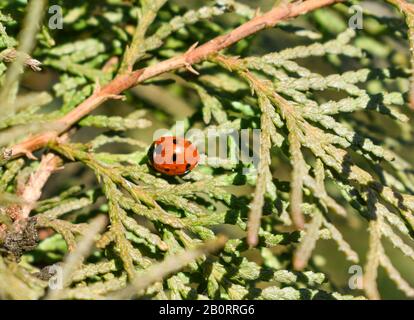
180,148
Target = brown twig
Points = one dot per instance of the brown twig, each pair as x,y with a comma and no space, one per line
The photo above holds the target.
31,191
403,5
192,56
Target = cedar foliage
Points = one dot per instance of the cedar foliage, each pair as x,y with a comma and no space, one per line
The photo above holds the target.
341,131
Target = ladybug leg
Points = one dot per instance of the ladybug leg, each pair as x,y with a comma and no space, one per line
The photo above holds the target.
188,170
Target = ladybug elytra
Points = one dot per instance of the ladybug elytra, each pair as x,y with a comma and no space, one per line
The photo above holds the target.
173,156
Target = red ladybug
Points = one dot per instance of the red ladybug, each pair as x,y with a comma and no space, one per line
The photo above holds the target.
173,156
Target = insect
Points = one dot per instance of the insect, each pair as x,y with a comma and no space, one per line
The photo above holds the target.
173,156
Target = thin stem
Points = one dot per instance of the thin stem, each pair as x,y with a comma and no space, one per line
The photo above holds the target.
27,42
137,48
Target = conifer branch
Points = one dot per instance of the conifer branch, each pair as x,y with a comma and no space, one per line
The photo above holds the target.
168,266
9,88
136,50
192,56
75,259
408,11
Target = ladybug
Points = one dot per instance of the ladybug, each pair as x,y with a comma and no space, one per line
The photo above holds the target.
173,156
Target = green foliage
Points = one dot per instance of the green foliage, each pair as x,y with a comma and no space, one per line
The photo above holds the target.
333,112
